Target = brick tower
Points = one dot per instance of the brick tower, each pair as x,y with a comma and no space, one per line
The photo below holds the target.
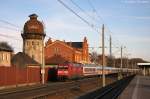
85,52
33,38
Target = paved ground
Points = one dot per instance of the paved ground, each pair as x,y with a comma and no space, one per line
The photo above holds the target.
139,88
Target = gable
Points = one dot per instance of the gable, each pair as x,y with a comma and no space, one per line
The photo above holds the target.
59,43
56,59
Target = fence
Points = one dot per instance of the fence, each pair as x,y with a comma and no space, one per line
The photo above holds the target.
15,76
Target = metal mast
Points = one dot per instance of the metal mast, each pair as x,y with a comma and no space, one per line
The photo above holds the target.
103,56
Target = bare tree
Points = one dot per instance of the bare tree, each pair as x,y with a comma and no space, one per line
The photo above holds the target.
94,57
5,46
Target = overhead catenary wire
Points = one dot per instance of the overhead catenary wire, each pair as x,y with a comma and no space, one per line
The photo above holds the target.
10,37
11,27
6,22
84,20
14,29
88,15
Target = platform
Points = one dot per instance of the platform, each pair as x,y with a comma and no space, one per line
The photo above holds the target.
139,88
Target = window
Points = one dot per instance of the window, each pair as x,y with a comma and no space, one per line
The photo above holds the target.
32,42
6,57
62,67
3,56
56,50
75,58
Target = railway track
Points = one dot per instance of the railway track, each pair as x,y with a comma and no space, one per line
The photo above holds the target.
111,91
46,90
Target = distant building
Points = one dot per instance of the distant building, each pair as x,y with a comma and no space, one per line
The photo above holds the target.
5,54
145,67
98,59
33,38
60,51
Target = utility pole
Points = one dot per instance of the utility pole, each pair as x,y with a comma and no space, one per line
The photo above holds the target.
110,52
103,56
43,62
120,72
127,66
114,62
121,64
121,57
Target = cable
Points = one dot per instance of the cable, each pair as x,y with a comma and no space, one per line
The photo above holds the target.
85,21
9,28
83,11
11,37
94,10
6,22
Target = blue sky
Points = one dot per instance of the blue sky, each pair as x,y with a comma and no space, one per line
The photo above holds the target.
128,20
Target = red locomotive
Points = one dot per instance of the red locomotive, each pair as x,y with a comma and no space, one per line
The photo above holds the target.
69,71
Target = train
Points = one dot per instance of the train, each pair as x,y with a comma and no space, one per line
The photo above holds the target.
78,70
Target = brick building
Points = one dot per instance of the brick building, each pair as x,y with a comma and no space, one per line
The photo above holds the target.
5,54
33,38
60,51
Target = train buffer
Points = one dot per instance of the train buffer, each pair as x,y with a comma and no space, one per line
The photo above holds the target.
139,88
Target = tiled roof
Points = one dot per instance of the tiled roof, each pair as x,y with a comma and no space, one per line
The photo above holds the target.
57,59
22,60
33,25
75,44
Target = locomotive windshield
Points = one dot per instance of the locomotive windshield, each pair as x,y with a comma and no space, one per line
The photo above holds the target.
62,67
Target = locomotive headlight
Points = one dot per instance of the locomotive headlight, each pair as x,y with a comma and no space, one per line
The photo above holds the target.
66,72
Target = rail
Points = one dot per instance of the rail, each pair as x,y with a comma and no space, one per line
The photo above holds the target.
45,91
111,91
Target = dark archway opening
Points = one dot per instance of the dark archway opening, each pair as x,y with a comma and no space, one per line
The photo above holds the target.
52,74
